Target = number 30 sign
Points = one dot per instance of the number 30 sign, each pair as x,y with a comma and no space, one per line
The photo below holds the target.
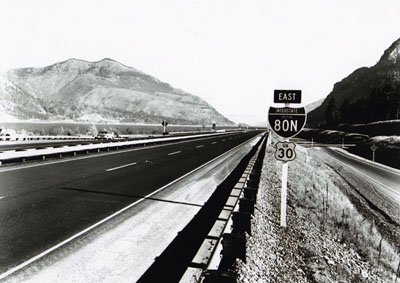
285,151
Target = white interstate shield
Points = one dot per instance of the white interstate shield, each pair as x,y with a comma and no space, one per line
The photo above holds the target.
285,151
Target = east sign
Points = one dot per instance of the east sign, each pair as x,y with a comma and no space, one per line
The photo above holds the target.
287,96
287,121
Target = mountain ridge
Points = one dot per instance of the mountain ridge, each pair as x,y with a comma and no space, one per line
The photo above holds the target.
76,89
354,99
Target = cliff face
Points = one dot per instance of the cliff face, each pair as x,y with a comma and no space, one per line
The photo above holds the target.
103,91
364,93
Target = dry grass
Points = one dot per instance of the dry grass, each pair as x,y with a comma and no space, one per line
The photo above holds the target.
316,194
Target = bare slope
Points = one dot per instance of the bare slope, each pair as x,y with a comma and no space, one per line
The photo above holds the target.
99,92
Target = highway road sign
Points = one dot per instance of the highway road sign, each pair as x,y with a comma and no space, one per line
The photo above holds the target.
287,96
287,121
285,151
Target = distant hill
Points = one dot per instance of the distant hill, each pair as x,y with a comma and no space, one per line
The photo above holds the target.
103,91
367,95
310,107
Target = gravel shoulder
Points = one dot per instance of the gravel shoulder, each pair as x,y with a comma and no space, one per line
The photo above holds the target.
332,235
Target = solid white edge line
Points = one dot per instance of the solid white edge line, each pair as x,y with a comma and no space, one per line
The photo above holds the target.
369,162
42,254
176,152
123,166
365,175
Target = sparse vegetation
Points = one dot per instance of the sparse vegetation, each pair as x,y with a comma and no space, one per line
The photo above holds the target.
327,239
332,212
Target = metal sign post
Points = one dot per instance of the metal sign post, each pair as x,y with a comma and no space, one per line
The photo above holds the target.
164,124
286,122
373,148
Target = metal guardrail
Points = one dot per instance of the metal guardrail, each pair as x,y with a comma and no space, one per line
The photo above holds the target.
232,240
184,256
37,138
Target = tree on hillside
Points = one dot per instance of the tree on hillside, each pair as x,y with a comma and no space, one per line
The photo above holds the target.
332,114
345,115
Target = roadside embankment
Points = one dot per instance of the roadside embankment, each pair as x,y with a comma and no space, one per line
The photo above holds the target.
327,239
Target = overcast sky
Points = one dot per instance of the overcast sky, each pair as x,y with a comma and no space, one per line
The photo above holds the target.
231,53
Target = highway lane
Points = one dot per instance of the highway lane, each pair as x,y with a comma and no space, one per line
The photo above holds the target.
43,204
385,179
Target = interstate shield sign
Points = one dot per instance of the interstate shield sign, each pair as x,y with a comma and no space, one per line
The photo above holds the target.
287,121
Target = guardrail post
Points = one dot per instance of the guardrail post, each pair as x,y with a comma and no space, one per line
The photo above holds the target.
246,205
250,193
254,175
233,246
218,276
1,163
241,222
44,157
253,183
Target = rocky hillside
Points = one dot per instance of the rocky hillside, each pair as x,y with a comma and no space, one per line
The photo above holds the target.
367,95
103,91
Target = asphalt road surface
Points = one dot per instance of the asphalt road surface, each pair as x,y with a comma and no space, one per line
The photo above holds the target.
386,180
44,203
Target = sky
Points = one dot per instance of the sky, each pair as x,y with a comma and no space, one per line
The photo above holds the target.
231,53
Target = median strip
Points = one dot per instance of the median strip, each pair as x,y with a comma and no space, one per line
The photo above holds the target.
176,152
123,166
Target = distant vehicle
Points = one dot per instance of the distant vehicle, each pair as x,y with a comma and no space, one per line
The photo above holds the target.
105,136
6,137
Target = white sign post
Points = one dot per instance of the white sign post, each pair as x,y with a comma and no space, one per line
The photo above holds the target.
286,122
373,148
284,193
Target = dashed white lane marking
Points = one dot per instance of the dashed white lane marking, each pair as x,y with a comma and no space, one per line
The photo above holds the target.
223,140
199,146
2,197
26,263
213,142
176,152
119,167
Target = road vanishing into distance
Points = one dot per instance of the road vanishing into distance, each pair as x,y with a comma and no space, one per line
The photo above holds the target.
385,180
45,203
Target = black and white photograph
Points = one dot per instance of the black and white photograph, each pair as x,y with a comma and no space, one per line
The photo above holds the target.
199,141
